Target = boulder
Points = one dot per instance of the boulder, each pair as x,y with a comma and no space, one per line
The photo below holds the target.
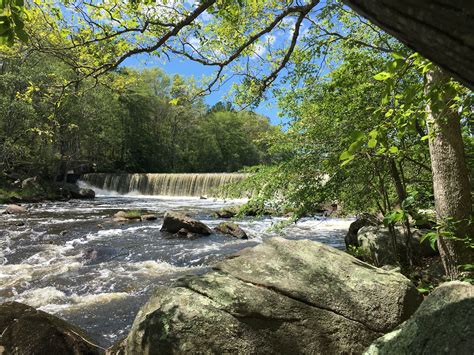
361,221
444,324
15,209
122,216
148,217
231,229
74,191
174,221
25,330
376,244
30,183
283,296
226,213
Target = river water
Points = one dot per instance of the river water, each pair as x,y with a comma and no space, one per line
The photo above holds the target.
70,259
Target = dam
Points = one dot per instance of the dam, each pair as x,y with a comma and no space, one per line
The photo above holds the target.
189,184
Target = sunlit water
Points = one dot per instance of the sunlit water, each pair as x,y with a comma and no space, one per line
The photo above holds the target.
45,256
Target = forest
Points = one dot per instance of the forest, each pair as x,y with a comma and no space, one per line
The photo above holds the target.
363,189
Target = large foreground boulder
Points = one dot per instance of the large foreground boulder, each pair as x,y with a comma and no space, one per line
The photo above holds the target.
25,330
283,296
377,245
444,324
175,221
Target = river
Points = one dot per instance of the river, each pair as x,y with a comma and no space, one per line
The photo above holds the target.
70,259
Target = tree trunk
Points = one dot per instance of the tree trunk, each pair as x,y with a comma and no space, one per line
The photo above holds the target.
450,174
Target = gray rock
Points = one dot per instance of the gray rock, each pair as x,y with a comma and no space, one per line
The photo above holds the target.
226,213
15,209
283,296
148,217
174,221
25,330
444,324
30,183
361,221
231,229
74,191
378,247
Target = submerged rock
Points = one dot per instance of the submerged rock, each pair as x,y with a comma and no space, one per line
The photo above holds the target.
280,297
148,217
25,330
15,209
444,324
123,216
231,229
174,221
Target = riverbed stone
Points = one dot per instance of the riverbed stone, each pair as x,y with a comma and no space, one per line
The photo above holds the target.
283,296
15,209
25,330
444,324
232,229
376,244
175,221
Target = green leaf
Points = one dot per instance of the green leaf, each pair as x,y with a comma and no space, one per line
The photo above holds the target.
389,113
382,76
393,150
346,155
372,143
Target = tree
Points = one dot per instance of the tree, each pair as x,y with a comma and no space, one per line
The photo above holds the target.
450,175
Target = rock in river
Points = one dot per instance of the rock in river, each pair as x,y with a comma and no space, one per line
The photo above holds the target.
444,324
175,221
15,209
283,296
231,229
25,330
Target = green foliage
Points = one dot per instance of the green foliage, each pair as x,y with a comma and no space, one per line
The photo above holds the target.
47,127
12,16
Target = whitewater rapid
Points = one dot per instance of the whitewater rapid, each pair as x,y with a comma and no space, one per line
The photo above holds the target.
44,255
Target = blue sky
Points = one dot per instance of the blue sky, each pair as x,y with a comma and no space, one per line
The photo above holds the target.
189,68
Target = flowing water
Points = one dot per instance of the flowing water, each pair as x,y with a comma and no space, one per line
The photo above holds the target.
71,259
163,184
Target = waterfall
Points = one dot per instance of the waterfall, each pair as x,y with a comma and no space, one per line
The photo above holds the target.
163,184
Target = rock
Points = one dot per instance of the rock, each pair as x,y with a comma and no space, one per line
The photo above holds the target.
30,183
15,209
148,217
203,197
232,229
122,216
377,246
444,324
281,297
184,233
174,221
361,221
226,213
97,255
74,191
25,330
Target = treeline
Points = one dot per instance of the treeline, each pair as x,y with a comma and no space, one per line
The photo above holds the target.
132,121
